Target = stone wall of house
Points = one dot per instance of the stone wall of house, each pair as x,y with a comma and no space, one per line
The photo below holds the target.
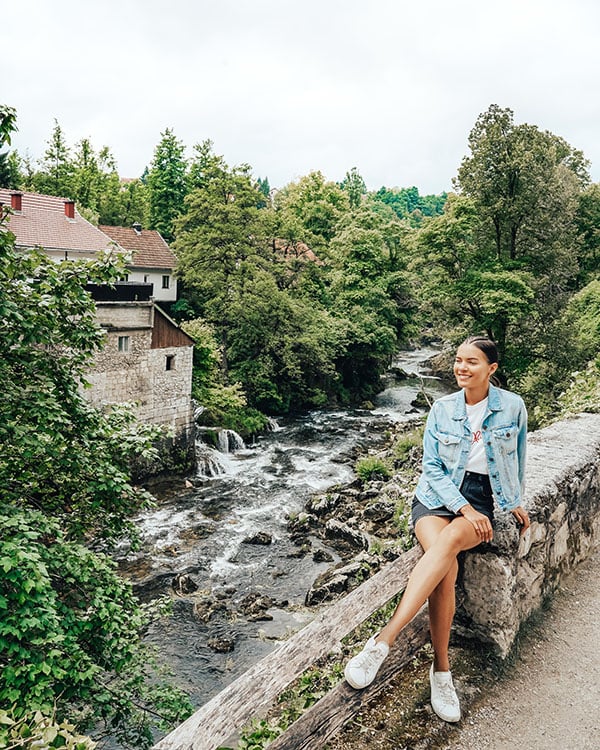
140,376
120,315
503,583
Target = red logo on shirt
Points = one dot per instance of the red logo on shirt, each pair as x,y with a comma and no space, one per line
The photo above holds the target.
476,436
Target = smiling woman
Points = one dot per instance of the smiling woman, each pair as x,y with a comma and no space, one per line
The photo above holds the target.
473,454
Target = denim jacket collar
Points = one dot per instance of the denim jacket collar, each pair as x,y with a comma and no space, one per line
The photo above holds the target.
494,403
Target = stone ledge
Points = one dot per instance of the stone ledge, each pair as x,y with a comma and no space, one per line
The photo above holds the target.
502,585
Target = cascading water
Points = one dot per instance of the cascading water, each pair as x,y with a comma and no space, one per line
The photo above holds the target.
241,493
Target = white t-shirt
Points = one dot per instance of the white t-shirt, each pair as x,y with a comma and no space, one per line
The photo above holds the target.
477,460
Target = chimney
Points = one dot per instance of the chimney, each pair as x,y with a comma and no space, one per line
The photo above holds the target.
16,202
137,228
70,209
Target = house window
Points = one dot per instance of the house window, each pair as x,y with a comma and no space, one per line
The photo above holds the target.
170,362
166,282
123,343
125,277
145,278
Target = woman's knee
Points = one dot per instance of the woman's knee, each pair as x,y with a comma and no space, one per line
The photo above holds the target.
458,536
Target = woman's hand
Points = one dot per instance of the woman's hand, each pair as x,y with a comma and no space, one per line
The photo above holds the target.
522,517
481,523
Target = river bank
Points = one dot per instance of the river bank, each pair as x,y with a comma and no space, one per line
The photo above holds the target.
239,553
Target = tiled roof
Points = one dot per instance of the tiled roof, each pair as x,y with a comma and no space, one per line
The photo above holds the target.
148,247
42,222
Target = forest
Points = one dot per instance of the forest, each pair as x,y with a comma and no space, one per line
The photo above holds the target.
297,298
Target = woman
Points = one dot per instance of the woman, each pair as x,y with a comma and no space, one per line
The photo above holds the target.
473,452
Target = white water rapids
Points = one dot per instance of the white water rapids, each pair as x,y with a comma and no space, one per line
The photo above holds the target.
240,491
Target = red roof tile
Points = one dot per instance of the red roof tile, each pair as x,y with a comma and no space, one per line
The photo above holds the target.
42,222
148,247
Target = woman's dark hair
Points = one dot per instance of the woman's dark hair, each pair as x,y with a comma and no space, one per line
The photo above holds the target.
486,345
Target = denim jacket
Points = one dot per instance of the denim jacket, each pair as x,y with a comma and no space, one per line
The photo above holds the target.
447,442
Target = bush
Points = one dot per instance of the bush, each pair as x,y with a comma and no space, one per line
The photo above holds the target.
70,635
35,730
370,468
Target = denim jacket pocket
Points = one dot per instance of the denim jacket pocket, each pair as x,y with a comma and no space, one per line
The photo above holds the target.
448,447
505,438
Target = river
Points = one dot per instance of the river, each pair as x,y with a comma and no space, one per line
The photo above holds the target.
240,491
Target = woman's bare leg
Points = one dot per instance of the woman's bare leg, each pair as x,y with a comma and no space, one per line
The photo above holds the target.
438,562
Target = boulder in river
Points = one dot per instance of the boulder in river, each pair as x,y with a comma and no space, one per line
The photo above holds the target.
338,531
221,645
183,583
260,537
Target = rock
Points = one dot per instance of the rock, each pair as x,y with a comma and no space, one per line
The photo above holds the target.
303,549
261,537
203,609
340,531
422,400
324,504
254,606
321,555
400,373
380,511
323,590
183,583
334,581
221,645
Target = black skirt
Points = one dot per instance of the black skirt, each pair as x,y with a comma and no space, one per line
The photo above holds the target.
475,488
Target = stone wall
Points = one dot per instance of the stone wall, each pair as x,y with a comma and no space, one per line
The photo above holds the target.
503,583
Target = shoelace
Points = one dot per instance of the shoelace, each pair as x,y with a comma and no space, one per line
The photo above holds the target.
369,659
447,693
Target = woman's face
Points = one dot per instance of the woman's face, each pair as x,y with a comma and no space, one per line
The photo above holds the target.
471,368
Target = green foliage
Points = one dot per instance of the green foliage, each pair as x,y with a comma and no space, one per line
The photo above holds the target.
310,209
588,224
59,453
355,186
408,204
303,693
370,468
405,442
568,345
56,174
167,184
8,123
582,393
70,628
223,405
70,633
36,730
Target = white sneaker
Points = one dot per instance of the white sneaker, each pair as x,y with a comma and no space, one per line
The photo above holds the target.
362,668
444,700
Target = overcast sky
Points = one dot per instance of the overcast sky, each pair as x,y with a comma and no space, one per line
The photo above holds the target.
388,86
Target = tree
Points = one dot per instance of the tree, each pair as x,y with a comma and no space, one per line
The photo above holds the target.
588,224
310,210
167,184
505,252
221,238
369,296
355,186
9,168
55,176
70,628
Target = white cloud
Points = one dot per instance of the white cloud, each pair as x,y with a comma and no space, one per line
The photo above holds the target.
392,88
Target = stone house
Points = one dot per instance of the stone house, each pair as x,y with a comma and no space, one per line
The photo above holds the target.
147,359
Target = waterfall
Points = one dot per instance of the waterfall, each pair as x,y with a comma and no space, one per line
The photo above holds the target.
213,445
229,441
208,463
272,425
